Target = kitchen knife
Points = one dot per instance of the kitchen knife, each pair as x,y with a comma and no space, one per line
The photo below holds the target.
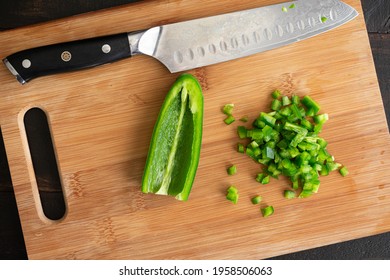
190,44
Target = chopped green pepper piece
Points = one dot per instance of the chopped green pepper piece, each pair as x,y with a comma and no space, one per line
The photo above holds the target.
295,99
296,112
267,119
344,171
241,130
255,134
232,170
175,145
244,119
322,142
295,184
275,94
307,124
270,153
320,119
254,144
262,178
259,177
267,133
305,193
256,199
267,211
240,148
232,194
324,19
289,194
296,128
229,119
228,109
297,139
265,180
276,104
286,100
332,166
292,6
252,151
317,128
310,104
284,9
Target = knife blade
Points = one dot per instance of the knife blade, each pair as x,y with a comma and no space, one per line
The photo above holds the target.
191,44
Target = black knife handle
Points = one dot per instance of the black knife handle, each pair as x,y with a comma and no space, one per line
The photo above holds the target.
69,56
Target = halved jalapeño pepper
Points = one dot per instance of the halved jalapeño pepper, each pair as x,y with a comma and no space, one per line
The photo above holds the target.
174,149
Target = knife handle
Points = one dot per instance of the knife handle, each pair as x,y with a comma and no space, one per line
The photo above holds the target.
69,56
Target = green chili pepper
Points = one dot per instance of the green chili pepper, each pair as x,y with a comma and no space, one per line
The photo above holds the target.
174,150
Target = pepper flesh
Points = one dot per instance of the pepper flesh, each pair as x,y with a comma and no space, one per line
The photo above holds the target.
174,149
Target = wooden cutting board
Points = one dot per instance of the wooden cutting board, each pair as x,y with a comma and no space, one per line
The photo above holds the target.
101,122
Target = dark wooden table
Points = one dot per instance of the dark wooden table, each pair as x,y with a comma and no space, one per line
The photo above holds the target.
17,13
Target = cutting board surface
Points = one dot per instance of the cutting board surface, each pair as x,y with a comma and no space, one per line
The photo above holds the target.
102,119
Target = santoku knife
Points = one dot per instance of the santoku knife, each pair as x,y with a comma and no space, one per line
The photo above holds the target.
190,44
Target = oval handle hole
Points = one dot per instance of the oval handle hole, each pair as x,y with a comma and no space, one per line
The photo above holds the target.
44,163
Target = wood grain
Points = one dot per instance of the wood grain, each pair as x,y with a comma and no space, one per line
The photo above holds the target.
102,119
377,15
380,44
19,13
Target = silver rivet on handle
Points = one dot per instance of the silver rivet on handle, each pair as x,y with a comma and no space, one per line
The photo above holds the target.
106,48
26,63
66,56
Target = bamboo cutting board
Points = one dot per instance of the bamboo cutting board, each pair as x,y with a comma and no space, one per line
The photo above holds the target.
102,119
